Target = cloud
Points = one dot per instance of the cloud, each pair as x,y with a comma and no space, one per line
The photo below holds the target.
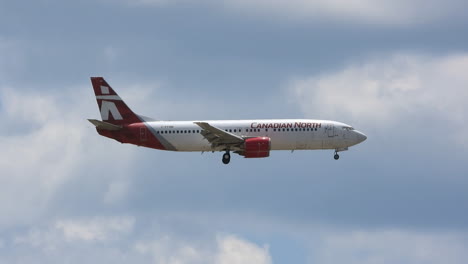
390,246
233,250
381,12
121,239
45,140
98,229
386,91
229,249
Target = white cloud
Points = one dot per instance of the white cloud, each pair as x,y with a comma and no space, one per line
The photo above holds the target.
97,229
119,239
383,12
391,90
45,143
233,250
172,251
390,246
229,250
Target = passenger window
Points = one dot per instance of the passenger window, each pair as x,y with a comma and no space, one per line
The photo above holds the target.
266,129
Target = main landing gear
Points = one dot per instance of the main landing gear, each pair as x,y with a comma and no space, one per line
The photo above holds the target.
337,157
226,157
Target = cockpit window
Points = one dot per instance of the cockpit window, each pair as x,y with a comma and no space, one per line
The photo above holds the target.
348,128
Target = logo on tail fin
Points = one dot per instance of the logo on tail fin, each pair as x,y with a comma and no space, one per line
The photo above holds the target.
104,89
109,107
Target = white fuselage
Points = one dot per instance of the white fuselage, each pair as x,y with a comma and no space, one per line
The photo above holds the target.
285,134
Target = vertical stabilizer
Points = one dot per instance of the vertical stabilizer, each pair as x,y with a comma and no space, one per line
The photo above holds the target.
112,107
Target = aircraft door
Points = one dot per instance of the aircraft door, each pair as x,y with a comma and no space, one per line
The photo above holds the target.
329,140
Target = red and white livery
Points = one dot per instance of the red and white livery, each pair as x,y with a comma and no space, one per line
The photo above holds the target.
248,138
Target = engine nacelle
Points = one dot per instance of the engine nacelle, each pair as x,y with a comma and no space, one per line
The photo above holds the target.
258,147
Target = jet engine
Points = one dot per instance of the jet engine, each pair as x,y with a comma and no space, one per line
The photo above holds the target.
258,147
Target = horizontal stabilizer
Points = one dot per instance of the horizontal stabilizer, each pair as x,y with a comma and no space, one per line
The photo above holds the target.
104,125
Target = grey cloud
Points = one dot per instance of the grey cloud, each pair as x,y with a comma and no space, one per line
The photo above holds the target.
382,13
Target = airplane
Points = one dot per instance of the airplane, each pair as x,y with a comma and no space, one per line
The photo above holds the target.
248,138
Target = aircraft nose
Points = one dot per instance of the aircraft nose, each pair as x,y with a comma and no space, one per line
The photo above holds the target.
360,137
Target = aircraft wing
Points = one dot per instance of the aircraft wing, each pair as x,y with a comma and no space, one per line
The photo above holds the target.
218,137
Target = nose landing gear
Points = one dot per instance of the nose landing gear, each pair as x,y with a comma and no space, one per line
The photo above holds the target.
336,156
226,157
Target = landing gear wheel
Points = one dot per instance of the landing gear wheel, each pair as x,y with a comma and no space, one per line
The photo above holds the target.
336,156
226,157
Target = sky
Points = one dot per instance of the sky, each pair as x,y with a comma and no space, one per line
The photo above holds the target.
395,70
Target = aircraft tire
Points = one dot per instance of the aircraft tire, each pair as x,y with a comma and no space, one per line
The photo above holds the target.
226,158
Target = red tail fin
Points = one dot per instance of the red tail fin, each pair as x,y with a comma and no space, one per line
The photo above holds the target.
112,107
